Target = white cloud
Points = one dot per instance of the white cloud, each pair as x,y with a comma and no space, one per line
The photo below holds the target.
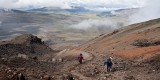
33,3
93,23
7,3
68,3
151,10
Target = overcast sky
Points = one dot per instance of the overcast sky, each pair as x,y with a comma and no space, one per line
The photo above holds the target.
68,3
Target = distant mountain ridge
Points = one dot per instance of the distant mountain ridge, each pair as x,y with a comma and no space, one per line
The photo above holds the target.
11,11
72,10
78,9
58,10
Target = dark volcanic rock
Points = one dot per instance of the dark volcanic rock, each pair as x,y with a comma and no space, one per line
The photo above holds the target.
27,39
24,44
145,43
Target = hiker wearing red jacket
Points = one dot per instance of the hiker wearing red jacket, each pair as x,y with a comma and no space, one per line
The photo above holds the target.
80,58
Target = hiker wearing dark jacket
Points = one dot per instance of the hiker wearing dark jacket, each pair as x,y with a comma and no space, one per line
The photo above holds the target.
80,58
109,64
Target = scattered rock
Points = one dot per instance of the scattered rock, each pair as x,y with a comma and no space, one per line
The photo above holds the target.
46,77
60,60
35,58
70,77
129,78
23,56
145,43
21,77
53,59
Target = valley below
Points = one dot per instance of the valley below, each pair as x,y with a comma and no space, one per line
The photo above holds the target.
59,30
45,46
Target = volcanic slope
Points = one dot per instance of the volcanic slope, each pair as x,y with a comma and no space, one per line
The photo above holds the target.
137,40
135,50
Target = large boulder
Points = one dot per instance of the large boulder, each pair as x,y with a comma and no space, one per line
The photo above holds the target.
27,39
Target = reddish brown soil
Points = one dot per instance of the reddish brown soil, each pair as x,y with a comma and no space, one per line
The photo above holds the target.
131,62
120,43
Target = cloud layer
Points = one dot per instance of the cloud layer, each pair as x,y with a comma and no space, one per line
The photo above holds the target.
97,25
69,3
151,10
90,23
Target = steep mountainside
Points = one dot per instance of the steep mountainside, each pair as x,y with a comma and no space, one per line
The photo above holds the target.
135,50
137,40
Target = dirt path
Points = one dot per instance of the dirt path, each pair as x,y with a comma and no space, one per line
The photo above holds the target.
80,76
92,64
91,69
87,58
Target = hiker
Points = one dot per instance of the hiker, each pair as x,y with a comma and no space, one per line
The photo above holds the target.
80,58
109,64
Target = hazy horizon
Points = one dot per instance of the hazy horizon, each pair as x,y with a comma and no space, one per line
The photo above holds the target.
67,4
